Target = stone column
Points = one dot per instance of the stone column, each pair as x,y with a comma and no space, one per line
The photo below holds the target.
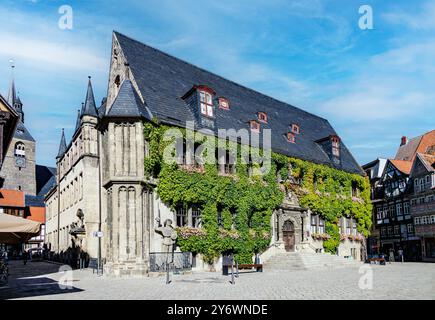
123,223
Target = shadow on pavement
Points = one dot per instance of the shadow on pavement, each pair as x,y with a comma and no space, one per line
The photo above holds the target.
31,280
33,287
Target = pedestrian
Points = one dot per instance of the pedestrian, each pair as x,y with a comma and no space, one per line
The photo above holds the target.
400,252
391,255
24,257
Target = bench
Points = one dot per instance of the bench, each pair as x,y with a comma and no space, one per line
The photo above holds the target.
257,266
381,261
237,267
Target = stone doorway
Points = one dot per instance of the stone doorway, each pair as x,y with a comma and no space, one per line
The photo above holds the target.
288,234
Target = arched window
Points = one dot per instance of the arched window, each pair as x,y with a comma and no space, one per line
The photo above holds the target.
20,149
117,81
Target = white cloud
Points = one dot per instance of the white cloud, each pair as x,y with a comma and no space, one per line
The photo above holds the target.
396,83
421,20
50,53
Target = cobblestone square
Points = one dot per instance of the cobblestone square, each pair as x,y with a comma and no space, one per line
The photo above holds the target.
41,280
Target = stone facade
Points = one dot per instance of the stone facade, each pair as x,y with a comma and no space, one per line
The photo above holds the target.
78,186
19,170
102,186
292,231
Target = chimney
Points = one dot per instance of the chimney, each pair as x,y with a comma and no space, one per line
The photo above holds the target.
403,141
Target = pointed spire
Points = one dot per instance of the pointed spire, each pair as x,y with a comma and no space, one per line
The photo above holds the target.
12,95
90,109
13,99
78,122
62,146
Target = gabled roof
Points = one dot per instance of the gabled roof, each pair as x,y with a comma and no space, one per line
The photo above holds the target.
376,167
416,145
89,108
402,165
163,79
128,103
428,160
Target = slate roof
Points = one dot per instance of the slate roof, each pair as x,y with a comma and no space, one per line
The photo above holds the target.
163,79
128,103
34,201
45,179
62,146
78,120
102,109
89,108
22,133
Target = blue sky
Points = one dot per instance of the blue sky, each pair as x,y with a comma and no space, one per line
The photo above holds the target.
372,85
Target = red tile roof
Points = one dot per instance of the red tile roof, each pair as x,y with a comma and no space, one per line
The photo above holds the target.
11,198
402,165
37,214
416,145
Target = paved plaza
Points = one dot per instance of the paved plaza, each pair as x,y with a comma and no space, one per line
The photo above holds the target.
41,280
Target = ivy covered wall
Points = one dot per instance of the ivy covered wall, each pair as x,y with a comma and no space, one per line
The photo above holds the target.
243,203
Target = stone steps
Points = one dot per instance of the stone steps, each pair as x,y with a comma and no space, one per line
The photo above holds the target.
294,261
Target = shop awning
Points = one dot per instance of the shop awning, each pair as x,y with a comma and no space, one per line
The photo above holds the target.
16,230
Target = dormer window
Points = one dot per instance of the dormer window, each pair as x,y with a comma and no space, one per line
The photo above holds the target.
335,141
295,128
255,126
224,104
262,117
206,103
291,137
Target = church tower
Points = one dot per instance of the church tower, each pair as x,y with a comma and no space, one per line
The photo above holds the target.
19,165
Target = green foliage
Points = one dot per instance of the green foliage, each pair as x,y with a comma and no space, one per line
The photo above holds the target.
245,204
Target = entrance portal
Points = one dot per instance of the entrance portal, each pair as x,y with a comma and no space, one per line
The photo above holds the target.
288,235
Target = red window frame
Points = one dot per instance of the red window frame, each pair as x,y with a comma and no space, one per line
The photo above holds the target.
291,137
255,126
295,128
208,104
262,117
224,101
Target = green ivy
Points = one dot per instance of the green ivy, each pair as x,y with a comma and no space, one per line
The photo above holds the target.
245,204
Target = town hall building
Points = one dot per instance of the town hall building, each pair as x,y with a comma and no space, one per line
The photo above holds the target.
104,205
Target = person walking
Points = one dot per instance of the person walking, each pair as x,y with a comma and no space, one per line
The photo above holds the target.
25,257
400,252
391,259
